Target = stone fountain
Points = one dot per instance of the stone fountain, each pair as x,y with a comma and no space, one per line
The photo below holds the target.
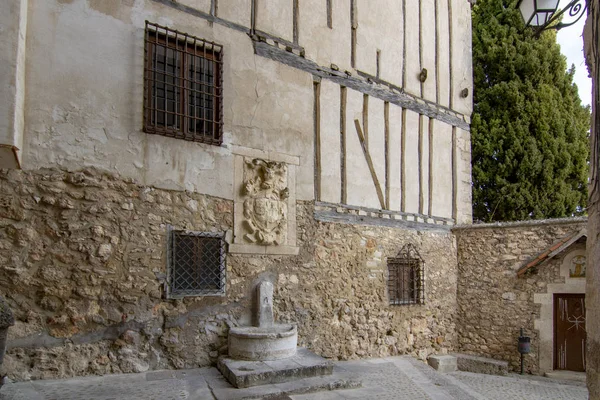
266,340
266,352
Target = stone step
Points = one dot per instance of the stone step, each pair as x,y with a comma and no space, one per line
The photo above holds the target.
243,374
443,363
338,380
480,365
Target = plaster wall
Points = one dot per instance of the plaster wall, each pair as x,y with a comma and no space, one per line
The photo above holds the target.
276,17
411,163
460,56
331,181
425,154
428,47
89,113
395,160
13,26
326,45
441,175
93,119
443,52
238,11
462,156
380,29
412,66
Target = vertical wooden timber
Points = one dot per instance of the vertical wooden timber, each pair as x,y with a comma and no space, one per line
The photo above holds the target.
403,47
420,150
378,62
253,6
317,119
365,118
421,44
450,49
430,169
329,14
296,12
403,162
344,185
454,176
437,53
354,27
386,118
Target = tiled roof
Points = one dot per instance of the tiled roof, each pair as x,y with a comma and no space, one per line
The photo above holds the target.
552,251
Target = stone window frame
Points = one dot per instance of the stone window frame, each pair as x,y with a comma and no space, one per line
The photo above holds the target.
406,277
196,263
191,107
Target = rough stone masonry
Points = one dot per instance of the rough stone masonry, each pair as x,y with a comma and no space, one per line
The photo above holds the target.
82,258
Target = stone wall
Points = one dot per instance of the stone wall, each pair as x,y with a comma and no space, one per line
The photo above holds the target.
82,255
494,303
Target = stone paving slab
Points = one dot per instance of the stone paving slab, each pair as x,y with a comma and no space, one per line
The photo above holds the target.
402,378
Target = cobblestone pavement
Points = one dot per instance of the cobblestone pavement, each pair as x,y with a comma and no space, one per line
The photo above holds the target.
382,379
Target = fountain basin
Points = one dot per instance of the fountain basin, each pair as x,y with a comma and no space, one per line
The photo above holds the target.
273,342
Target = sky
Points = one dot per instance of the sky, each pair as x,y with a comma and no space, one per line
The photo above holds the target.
571,45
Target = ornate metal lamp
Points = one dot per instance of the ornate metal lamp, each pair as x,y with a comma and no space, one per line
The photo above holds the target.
543,14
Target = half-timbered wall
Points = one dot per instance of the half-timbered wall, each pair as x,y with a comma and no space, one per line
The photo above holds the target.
301,79
360,108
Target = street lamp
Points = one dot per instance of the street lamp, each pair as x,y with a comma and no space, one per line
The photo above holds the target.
543,14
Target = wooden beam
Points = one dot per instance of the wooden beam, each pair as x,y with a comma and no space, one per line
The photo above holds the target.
430,170
343,177
403,162
386,118
361,139
317,119
371,86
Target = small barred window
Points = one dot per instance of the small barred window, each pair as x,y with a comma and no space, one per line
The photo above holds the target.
406,277
196,264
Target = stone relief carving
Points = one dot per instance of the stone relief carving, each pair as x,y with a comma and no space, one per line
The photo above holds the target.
265,201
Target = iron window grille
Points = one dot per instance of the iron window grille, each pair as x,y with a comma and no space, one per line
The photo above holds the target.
406,280
183,86
196,263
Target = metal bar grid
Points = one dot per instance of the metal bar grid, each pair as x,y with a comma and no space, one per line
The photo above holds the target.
183,86
195,263
406,277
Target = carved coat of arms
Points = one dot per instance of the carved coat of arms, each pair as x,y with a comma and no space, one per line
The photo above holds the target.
265,206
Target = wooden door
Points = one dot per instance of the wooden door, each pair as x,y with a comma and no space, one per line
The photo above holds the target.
569,332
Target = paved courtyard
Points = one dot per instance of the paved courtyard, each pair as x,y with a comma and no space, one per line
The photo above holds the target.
384,378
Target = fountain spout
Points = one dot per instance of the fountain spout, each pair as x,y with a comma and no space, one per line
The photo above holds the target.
264,305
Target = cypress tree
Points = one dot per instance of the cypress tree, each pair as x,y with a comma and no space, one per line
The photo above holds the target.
529,131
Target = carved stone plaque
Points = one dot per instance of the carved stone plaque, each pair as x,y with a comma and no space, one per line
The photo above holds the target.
265,193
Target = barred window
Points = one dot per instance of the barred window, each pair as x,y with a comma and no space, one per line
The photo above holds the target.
406,284
196,263
183,86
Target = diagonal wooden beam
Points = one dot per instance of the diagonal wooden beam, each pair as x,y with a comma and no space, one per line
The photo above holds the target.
361,139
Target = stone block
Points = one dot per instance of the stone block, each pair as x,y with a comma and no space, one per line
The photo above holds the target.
443,363
480,365
304,364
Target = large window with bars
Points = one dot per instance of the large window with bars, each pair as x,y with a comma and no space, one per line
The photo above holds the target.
196,263
406,280
183,86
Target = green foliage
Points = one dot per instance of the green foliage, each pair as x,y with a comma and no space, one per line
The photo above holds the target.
529,130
